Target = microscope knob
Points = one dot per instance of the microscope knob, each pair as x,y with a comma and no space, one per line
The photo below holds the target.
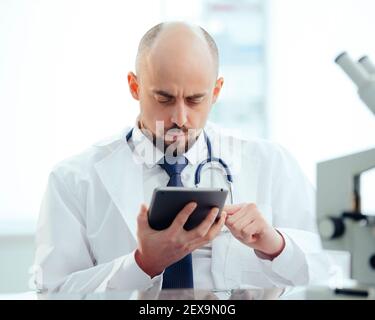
372,261
331,227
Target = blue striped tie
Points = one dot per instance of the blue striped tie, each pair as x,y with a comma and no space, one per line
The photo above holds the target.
180,274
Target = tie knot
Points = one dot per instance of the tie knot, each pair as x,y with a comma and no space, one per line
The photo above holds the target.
174,165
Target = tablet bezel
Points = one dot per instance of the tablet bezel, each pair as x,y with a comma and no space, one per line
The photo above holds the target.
160,218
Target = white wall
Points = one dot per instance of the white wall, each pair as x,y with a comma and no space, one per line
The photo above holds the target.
314,107
16,256
63,68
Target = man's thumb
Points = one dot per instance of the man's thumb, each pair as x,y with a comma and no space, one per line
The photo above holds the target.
142,215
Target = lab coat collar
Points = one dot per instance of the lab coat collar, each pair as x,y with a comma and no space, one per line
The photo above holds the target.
151,156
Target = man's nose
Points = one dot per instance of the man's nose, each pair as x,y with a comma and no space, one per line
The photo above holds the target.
179,116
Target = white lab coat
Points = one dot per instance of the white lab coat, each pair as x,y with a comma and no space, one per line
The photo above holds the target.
86,234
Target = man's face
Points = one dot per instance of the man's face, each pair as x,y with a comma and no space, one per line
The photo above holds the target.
175,98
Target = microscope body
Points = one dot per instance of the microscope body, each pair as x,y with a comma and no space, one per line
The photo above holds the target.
342,224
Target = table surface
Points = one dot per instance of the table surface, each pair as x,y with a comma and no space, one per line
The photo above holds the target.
289,293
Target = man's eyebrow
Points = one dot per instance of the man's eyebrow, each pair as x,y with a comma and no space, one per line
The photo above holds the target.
163,93
197,95
168,95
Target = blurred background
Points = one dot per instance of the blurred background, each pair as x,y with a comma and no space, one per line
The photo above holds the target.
63,67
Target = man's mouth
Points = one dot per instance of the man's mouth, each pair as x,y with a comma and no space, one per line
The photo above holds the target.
174,134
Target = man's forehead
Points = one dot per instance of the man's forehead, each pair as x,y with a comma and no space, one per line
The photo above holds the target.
183,69
178,86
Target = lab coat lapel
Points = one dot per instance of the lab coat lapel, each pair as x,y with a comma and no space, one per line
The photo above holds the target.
121,175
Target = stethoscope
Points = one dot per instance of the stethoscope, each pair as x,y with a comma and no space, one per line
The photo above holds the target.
210,159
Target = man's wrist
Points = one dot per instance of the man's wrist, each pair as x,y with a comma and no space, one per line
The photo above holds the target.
152,272
272,255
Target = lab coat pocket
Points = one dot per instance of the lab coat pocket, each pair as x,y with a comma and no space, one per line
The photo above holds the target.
242,268
239,258
254,278
245,256
251,271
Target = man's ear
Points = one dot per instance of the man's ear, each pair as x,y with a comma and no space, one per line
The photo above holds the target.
218,85
133,85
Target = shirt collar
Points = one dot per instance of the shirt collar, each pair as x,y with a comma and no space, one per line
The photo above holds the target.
151,155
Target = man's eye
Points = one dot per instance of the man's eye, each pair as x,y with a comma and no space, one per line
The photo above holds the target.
195,100
163,100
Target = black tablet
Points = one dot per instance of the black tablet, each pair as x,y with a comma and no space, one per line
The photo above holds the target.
167,202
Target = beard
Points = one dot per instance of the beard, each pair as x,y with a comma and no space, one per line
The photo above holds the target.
173,141
179,140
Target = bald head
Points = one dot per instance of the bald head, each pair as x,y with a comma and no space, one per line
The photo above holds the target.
176,82
177,39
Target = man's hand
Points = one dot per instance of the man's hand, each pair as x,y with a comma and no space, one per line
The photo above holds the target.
247,224
159,249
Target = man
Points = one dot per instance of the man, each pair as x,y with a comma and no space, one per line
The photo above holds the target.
93,233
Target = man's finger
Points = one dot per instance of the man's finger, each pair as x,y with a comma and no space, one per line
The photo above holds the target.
250,233
243,220
180,220
233,208
201,230
212,232
142,215
142,218
215,229
233,218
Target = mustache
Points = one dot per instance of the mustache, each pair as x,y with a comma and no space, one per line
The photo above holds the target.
175,127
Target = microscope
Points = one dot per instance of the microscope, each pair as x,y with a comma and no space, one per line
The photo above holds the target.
342,222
